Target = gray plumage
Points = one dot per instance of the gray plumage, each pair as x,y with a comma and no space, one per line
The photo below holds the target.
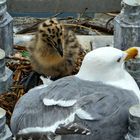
106,106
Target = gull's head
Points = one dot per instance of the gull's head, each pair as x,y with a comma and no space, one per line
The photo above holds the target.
102,62
104,57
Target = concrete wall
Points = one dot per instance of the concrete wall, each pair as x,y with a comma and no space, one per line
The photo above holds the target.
63,5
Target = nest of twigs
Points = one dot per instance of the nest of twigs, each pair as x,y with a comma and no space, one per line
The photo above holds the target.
7,102
21,70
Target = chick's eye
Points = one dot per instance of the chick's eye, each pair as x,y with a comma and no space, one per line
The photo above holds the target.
119,59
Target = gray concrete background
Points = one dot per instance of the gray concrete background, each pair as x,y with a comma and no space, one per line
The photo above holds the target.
63,5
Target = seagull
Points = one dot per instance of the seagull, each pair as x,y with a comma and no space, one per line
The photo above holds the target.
93,104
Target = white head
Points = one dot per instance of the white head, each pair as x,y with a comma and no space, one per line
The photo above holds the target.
100,63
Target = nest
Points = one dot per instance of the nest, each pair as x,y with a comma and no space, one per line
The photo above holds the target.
21,68
7,102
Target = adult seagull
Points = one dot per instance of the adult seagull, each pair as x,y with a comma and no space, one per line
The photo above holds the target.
92,105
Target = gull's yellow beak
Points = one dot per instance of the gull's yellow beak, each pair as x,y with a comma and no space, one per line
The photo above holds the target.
131,53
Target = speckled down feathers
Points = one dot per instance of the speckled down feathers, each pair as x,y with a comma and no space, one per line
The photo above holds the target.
44,57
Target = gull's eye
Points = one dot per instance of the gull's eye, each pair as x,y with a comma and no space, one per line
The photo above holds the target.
119,59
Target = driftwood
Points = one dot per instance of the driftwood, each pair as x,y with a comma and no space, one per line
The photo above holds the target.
101,23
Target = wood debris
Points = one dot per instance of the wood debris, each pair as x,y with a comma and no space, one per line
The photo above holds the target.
21,67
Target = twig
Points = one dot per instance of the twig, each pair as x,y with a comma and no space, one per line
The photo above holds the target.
82,13
29,29
97,32
19,47
34,26
24,67
17,75
112,14
80,26
17,58
16,86
109,22
56,15
95,26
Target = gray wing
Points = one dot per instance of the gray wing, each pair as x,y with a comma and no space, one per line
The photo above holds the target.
108,117
63,92
30,113
93,101
104,105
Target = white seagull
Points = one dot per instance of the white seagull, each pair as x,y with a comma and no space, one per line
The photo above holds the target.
92,104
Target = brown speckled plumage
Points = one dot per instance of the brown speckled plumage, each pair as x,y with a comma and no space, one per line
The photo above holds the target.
45,58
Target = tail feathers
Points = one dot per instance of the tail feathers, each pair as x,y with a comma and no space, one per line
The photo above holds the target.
35,136
72,128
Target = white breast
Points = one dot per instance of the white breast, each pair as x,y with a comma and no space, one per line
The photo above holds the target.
127,82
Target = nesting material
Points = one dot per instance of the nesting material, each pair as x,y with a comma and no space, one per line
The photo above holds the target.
21,69
5,133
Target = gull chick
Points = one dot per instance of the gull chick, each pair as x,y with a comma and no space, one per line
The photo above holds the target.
55,51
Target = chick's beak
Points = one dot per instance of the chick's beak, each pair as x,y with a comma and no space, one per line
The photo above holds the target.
131,53
59,49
